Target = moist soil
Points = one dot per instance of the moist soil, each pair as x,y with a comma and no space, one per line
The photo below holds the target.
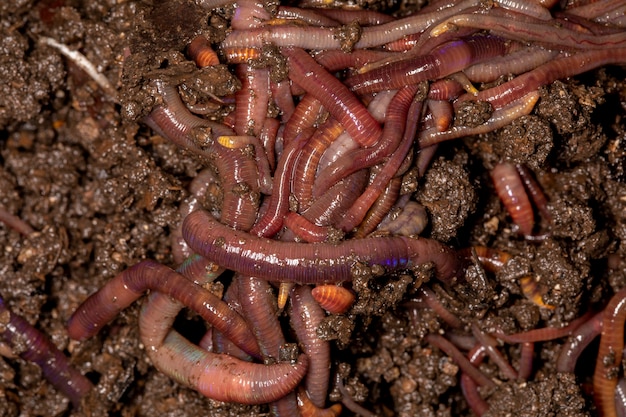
102,192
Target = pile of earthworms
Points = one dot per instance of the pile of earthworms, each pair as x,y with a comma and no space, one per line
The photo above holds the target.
308,166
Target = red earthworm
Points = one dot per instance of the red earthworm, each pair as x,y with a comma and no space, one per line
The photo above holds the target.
224,378
620,397
304,229
594,9
281,93
334,60
249,14
272,220
305,115
267,138
220,342
33,346
493,260
535,191
385,145
333,95
198,269
547,73
410,221
102,306
543,334
314,17
328,210
430,299
262,162
310,263
259,309
451,57
176,123
335,299
526,7
15,223
308,409
305,316
362,17
357,212
251,101
527,352
380,208
469,386
406,43
201,52
490,345
511,191
517,62
578,341
466,366
610,354
240,183
525,30
289,35
308,162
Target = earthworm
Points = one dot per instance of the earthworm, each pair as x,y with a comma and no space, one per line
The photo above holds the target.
362,16
496,356
335,60
304,229
176,123
249,14
281,93
267,138
333,95
313,17
559,68
271,222
526,7
15,223
259,309
380,208
527,352
201,52
469,387
34,346
511,191
225,378
578,341
517,62
543,334
220,342
310,263
304,116
306,315
428,297
306,166
251,101
348,401
609,357
446,59
443,113
240,54
594,9
264,173
102,306
535,191
385,145
466,366
354,216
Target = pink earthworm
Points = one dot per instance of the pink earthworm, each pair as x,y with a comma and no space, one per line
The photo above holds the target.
249,14
366,157
517,62
380,208
251,101
100,308
559,68
33,346
544,334
499,118
281,93
335,60
305,116
446,59
578,341
512,193
306,316
594,9
527,351
221,343
355,215
496,356
313,17
15,223
272,220
443,113
311,263
348,401
308,162
304,229
428,297
469,387
535,191
529,8
609,359
362,17
334,96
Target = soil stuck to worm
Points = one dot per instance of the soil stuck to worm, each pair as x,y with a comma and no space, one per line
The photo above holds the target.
102,192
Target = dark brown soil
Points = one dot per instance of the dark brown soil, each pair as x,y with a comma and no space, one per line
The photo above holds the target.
103,192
